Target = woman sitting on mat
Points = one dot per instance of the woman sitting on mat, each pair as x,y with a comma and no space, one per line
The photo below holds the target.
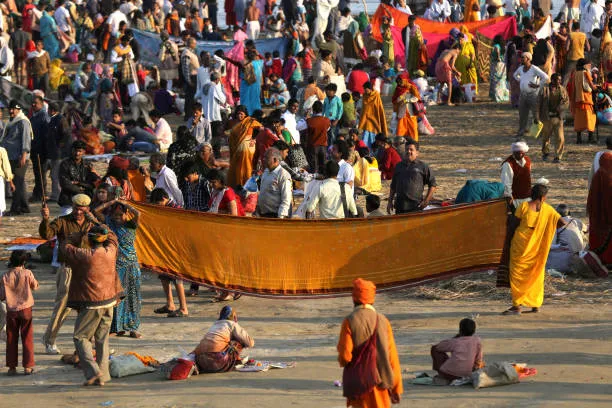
219,350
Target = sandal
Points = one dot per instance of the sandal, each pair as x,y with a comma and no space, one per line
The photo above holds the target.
135,335
163,310
28,371
177,313
512,312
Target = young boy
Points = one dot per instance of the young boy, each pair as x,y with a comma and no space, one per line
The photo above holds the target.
16,288
465,354
373,206
332,109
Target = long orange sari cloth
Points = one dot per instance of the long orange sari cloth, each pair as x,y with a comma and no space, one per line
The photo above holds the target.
204,248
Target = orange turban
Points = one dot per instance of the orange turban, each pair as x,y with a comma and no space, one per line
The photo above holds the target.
364,291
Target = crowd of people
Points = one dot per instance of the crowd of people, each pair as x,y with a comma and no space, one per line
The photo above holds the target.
313,118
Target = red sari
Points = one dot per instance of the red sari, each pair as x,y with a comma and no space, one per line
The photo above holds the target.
599,208
230,13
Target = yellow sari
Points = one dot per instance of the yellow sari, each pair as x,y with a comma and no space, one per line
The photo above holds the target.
466,62
528,253
367,175
242,150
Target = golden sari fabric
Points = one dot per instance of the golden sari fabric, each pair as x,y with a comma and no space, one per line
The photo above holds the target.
528,253
203,248
373,117
242,151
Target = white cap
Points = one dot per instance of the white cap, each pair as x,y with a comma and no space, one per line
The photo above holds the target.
520,147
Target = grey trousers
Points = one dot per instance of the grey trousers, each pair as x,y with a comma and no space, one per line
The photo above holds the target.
60,310
54,166
527,103
94,323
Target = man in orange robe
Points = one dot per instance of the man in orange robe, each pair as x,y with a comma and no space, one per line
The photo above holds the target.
366,337
373,120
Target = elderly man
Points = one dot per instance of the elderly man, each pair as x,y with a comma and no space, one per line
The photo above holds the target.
531,80
94,291
213,99
366,331
516,174
276,188
17,139
552,103
66,227
329,198
408,183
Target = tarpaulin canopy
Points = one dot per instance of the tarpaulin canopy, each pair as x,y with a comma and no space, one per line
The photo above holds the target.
312,258
150,44
434,32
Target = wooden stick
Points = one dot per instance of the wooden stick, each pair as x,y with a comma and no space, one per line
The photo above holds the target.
42,183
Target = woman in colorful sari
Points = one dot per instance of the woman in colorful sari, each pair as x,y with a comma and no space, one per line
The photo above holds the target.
49,35
387,35
354,47
414,60
560,40
367,174
242,148
405,95
529,250
219,350
514,51
498,88
250,84
599,208
579,89
123,221
466,60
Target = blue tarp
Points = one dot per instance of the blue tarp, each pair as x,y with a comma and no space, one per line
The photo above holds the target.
150,44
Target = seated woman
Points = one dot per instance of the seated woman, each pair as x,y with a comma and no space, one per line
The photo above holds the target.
279,94
367,175
219,350
90,135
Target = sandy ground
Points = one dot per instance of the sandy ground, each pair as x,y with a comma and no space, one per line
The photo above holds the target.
568,342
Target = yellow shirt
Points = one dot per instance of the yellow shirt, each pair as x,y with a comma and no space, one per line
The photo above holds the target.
576,50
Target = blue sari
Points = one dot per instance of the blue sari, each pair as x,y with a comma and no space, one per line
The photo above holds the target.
250,95
48,32
127,313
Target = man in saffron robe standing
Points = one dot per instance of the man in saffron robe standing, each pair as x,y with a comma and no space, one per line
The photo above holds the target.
375,382
373,120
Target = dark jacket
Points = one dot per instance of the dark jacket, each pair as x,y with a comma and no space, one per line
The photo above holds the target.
67,230
69,172
40,128
58,138
94,278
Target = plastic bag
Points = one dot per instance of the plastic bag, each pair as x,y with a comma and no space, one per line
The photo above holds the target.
123,366
495,374
535,129
251,185
425,129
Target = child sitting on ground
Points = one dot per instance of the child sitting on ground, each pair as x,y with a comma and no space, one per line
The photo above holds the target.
16,288
465,354
373,206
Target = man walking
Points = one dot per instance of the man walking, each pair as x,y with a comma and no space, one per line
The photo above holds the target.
552,103
94,292
40,127
408,184
190,64
17,140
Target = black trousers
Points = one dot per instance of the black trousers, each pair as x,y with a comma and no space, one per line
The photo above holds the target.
189,97
316,158
37,192
218,134
20,202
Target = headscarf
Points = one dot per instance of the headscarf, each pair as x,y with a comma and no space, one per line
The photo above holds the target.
528,55
364,291
599,202
403,84
227,313
464,30
520,147
454,32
